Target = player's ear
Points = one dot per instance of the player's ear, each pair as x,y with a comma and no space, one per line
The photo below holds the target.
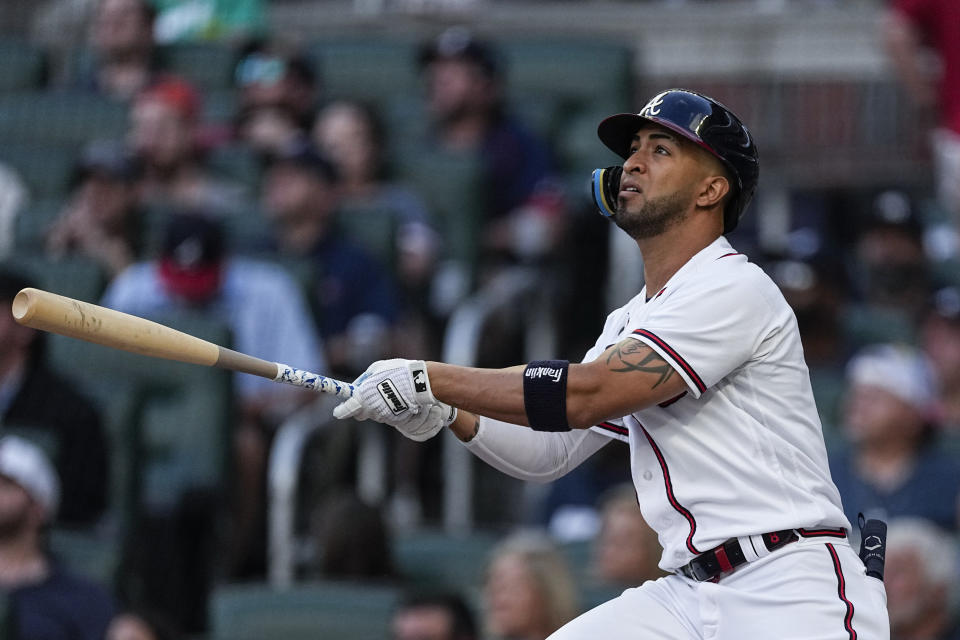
713,191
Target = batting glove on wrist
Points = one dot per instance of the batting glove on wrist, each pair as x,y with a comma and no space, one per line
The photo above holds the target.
389,391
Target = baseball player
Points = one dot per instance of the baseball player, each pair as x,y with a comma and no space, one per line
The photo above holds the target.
702,373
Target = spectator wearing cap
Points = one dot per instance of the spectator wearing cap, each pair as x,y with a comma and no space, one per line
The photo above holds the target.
890,272
278,91
165,135
467,111
890,466
267,315
37,400
101,219
352,295
921,580
44,599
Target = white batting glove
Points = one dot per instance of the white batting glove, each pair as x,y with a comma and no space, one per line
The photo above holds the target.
397,392
389,391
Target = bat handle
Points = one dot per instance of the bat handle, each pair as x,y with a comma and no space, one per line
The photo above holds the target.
307,380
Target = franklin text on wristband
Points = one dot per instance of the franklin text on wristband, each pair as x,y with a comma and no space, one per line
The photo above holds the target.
545,395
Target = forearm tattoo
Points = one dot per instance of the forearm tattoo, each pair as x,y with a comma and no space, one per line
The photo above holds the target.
633,355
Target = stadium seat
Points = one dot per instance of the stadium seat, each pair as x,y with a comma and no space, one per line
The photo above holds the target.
23,66
75,277
60,118
168,422
439,559
208,65
583,73
306,611
453,187
372,69
46,169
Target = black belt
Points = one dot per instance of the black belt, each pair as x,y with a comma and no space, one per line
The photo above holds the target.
712,564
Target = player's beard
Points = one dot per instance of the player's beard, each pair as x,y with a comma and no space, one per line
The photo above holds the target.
656,216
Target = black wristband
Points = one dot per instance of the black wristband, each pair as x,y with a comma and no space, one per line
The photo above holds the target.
545,395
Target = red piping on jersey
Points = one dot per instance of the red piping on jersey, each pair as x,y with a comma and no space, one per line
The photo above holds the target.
668,485
811,533
727,255
616,428
675,356
664,405
841,591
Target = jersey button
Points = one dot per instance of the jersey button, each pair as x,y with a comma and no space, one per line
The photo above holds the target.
648,475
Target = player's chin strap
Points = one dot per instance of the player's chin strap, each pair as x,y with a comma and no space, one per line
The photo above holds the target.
605,187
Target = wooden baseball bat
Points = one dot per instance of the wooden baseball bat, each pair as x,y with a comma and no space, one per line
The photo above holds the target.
76,319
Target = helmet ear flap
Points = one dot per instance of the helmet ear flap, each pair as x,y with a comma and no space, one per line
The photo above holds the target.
605,188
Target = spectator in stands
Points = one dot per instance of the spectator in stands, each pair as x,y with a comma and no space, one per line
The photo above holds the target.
121,38
44,600
921,581
433,616
626,551
268,317
353,540
35,399
278,93
890,272
353,296
467,111
353,137
891,466
529,590
165,120
940,339
914,29
140,624
101,220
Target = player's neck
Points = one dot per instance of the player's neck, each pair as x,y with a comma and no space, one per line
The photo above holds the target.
665,254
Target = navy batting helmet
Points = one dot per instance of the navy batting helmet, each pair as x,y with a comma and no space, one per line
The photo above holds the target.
707,123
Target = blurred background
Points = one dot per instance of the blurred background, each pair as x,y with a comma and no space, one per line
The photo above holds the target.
327,183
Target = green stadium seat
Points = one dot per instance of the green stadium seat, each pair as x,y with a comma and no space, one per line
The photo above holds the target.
453,187
442,560
33,222
46,170
60,118
328,610
208,65
168,421
367,68
581,72
22,65
75,277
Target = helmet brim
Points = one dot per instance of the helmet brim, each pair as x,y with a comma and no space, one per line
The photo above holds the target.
617,132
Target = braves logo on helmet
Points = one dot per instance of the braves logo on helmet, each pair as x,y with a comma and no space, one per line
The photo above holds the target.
704,121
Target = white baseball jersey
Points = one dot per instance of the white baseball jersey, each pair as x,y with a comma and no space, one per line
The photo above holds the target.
741,451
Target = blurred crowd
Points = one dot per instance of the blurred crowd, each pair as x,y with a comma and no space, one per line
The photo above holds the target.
326,231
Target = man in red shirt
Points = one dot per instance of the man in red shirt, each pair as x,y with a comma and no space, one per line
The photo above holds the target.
913,30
